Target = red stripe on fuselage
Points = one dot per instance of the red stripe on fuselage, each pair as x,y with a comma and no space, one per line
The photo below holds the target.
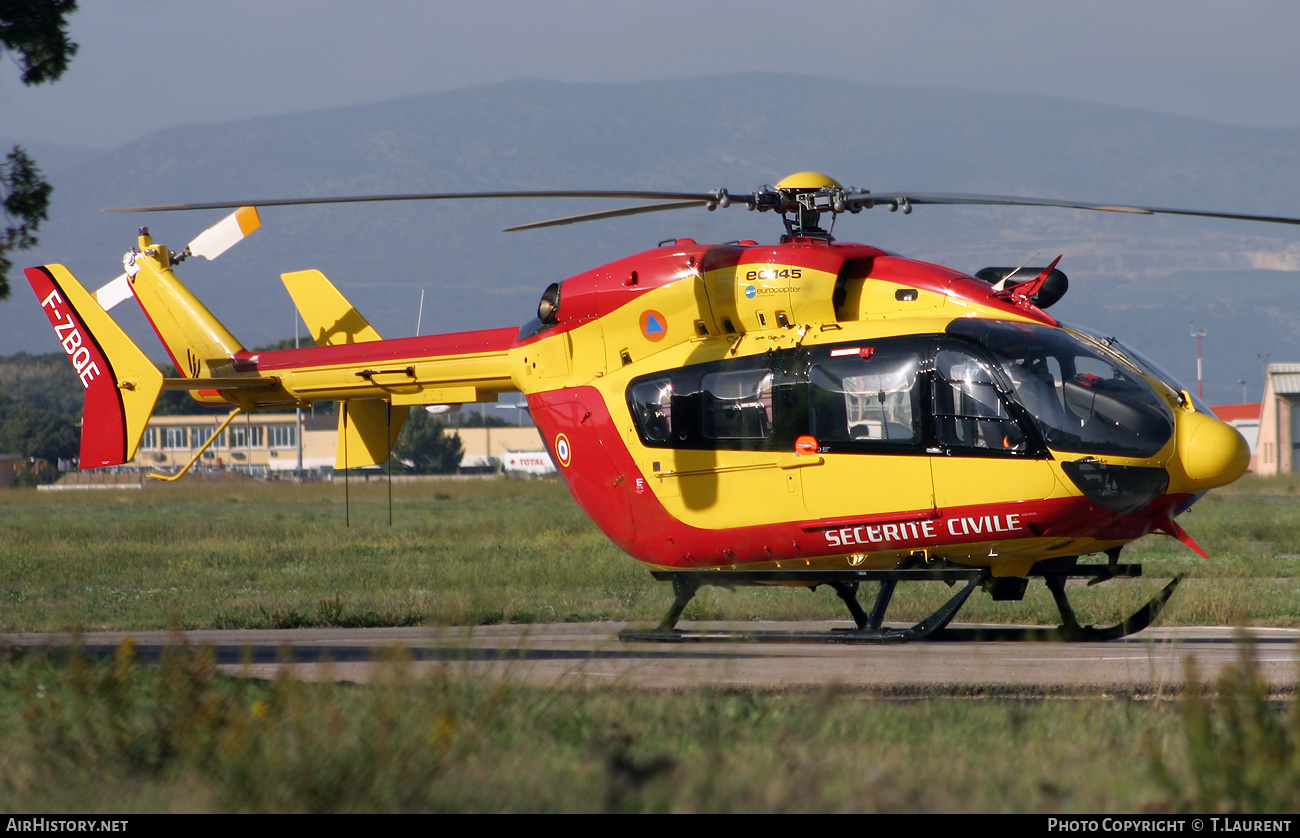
607,484
397,349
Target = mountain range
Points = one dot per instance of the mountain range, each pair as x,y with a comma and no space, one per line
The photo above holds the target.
1144,279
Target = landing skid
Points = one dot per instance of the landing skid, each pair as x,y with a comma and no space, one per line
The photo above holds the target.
868,626
1070,629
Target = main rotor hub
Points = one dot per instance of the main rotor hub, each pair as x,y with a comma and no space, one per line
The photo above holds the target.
808,181
805,196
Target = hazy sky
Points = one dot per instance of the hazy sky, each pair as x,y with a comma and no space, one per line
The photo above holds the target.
150,64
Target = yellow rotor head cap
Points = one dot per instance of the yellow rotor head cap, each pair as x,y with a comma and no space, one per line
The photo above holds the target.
808,180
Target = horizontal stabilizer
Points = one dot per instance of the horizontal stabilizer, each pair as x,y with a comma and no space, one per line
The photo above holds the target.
221,384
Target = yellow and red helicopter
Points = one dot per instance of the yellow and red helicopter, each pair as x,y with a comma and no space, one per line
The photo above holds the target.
804,413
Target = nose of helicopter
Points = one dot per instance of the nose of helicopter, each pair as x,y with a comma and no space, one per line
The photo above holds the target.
1210,451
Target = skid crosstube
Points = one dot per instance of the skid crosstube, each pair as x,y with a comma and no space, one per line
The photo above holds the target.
868,626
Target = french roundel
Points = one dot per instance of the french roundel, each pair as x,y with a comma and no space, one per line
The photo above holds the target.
562,450
654,326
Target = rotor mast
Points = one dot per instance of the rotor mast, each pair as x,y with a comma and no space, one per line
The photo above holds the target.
801,199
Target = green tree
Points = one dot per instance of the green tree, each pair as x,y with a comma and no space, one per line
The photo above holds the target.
425,444
480,420
36,32
36,433
45,382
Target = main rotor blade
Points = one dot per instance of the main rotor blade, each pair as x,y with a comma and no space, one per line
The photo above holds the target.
896,199
599,214
697,197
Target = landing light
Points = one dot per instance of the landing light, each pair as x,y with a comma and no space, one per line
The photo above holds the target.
549,306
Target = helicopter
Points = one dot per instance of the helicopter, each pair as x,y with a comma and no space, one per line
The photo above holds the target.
805,413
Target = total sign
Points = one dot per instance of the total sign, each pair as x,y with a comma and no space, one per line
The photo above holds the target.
529,462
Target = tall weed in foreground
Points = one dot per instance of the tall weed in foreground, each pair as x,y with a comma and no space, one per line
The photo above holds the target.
1239,750
93,735
376,748
79,722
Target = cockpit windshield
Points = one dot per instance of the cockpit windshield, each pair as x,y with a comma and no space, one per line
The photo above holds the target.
1082,399
1142,362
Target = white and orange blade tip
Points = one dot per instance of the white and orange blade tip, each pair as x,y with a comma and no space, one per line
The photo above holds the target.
226,233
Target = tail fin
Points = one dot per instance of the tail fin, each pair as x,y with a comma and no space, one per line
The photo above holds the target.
367,432
199,345
330,318
121,383
368,428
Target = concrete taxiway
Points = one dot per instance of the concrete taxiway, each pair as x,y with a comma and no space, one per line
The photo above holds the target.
590,654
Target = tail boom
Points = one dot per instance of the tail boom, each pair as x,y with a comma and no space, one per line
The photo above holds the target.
379,380
435,369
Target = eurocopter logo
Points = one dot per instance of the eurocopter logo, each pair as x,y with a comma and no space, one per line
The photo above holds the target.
752,291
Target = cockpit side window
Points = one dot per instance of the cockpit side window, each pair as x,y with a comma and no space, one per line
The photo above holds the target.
969,411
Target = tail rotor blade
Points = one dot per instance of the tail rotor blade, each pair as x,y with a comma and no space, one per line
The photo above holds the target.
225,234
112,293
209,244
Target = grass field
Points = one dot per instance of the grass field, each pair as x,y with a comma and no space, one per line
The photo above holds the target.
118,736
463,552
115,736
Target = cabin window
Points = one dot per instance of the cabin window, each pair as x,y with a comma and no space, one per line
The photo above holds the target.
866,397
652,408
737,405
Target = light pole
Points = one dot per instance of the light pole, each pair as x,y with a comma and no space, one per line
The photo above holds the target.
1264,358
1200,389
